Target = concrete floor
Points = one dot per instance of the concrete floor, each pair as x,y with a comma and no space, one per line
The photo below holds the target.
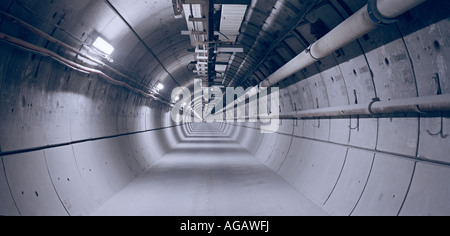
209,176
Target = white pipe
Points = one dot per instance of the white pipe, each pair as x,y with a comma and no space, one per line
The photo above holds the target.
348,31
395,8
416,105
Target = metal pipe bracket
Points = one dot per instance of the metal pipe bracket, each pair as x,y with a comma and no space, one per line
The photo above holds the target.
309,51
374,100
376,15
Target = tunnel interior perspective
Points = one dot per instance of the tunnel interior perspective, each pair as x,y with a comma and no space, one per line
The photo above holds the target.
120,108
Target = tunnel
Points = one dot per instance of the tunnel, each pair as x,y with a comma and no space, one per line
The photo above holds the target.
88,114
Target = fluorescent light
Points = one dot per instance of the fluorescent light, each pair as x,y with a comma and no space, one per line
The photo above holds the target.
103,46
236,49
221,68
160,86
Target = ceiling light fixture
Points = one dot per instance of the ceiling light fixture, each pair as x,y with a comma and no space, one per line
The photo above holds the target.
103,46
160,87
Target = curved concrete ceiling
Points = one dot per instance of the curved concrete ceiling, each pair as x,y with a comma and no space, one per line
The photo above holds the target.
83,137
162,50
272,33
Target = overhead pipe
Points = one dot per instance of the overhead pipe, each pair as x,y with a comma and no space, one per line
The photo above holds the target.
298,20
368,18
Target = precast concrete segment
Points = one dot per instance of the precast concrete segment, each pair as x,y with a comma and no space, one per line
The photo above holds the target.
33,192
357,180
7,205
425,198
199,180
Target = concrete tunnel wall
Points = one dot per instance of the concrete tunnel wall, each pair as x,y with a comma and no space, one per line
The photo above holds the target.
67,109
70,141
373,166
